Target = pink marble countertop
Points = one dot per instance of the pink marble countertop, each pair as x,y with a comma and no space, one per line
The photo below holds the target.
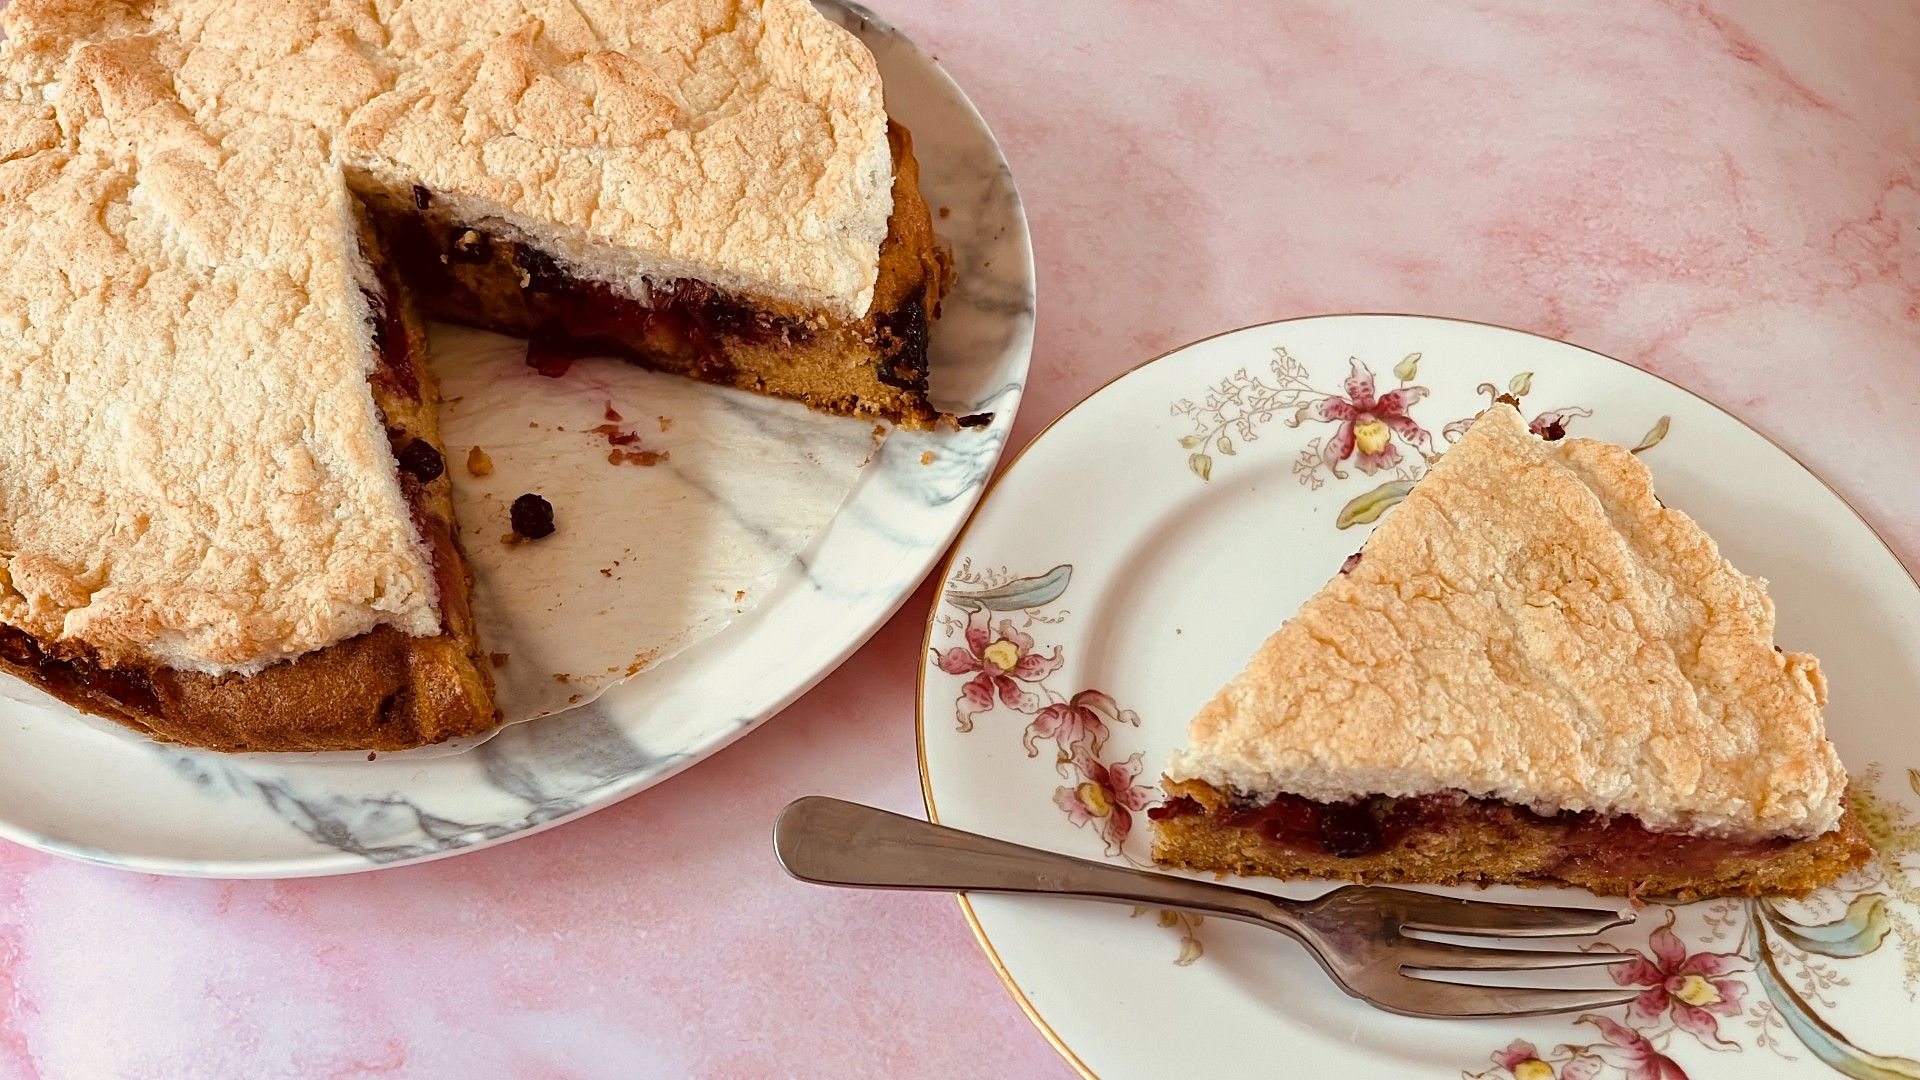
1725,192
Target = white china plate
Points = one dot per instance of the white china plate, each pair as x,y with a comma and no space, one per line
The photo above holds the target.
72,788
1135,554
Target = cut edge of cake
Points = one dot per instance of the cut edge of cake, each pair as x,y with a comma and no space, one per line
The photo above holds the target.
1534,647
488,272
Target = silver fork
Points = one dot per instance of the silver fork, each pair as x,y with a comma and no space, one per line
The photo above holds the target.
1359,934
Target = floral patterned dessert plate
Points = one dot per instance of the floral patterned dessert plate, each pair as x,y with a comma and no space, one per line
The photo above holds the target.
1136,553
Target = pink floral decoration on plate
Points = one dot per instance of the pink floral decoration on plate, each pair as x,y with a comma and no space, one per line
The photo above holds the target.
999,666
1368,423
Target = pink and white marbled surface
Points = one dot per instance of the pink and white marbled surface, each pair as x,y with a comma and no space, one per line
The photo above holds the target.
1727,193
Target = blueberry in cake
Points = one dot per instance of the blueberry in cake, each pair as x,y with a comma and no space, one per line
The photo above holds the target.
225,511
1535,674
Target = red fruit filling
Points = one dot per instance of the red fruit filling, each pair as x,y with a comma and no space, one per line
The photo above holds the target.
1617,844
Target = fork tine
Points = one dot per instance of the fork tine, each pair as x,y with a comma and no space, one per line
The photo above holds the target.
1432,998
1418,954
1451,915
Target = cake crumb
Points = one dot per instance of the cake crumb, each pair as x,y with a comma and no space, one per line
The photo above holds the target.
371,755
499,659
926,457
563,677
945,212
573,699
479,462
665,423
612,414
606,571
646,459
739,595
533,423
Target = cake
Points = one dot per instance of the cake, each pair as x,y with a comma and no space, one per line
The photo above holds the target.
1533,673
225,511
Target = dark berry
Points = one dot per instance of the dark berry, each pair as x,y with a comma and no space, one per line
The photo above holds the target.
543,273
421,197
1353,560
1552,432
421,460
532,516
1348,830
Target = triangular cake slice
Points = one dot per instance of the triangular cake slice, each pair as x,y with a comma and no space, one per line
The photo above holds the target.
1534,673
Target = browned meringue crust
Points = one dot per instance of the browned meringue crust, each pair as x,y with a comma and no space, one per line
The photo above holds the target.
257,578
1503,845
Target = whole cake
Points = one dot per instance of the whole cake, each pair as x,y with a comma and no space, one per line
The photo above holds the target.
225,514
1534,673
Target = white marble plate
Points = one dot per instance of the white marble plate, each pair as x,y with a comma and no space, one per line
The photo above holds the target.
1137,552
72,788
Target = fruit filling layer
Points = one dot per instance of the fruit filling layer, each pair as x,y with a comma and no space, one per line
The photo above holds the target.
135,690
1381,824
399,384
450,265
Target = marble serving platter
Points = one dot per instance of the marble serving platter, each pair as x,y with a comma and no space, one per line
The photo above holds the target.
74,788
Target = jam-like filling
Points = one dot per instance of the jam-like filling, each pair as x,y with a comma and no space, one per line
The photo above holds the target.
1596,843
396,379
684,320
532,516
78,677
687,321
393,369
694,310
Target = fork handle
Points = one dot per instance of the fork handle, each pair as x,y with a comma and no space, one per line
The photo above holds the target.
833,842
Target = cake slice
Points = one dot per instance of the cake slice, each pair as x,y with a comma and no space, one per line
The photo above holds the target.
1534,674
225,517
